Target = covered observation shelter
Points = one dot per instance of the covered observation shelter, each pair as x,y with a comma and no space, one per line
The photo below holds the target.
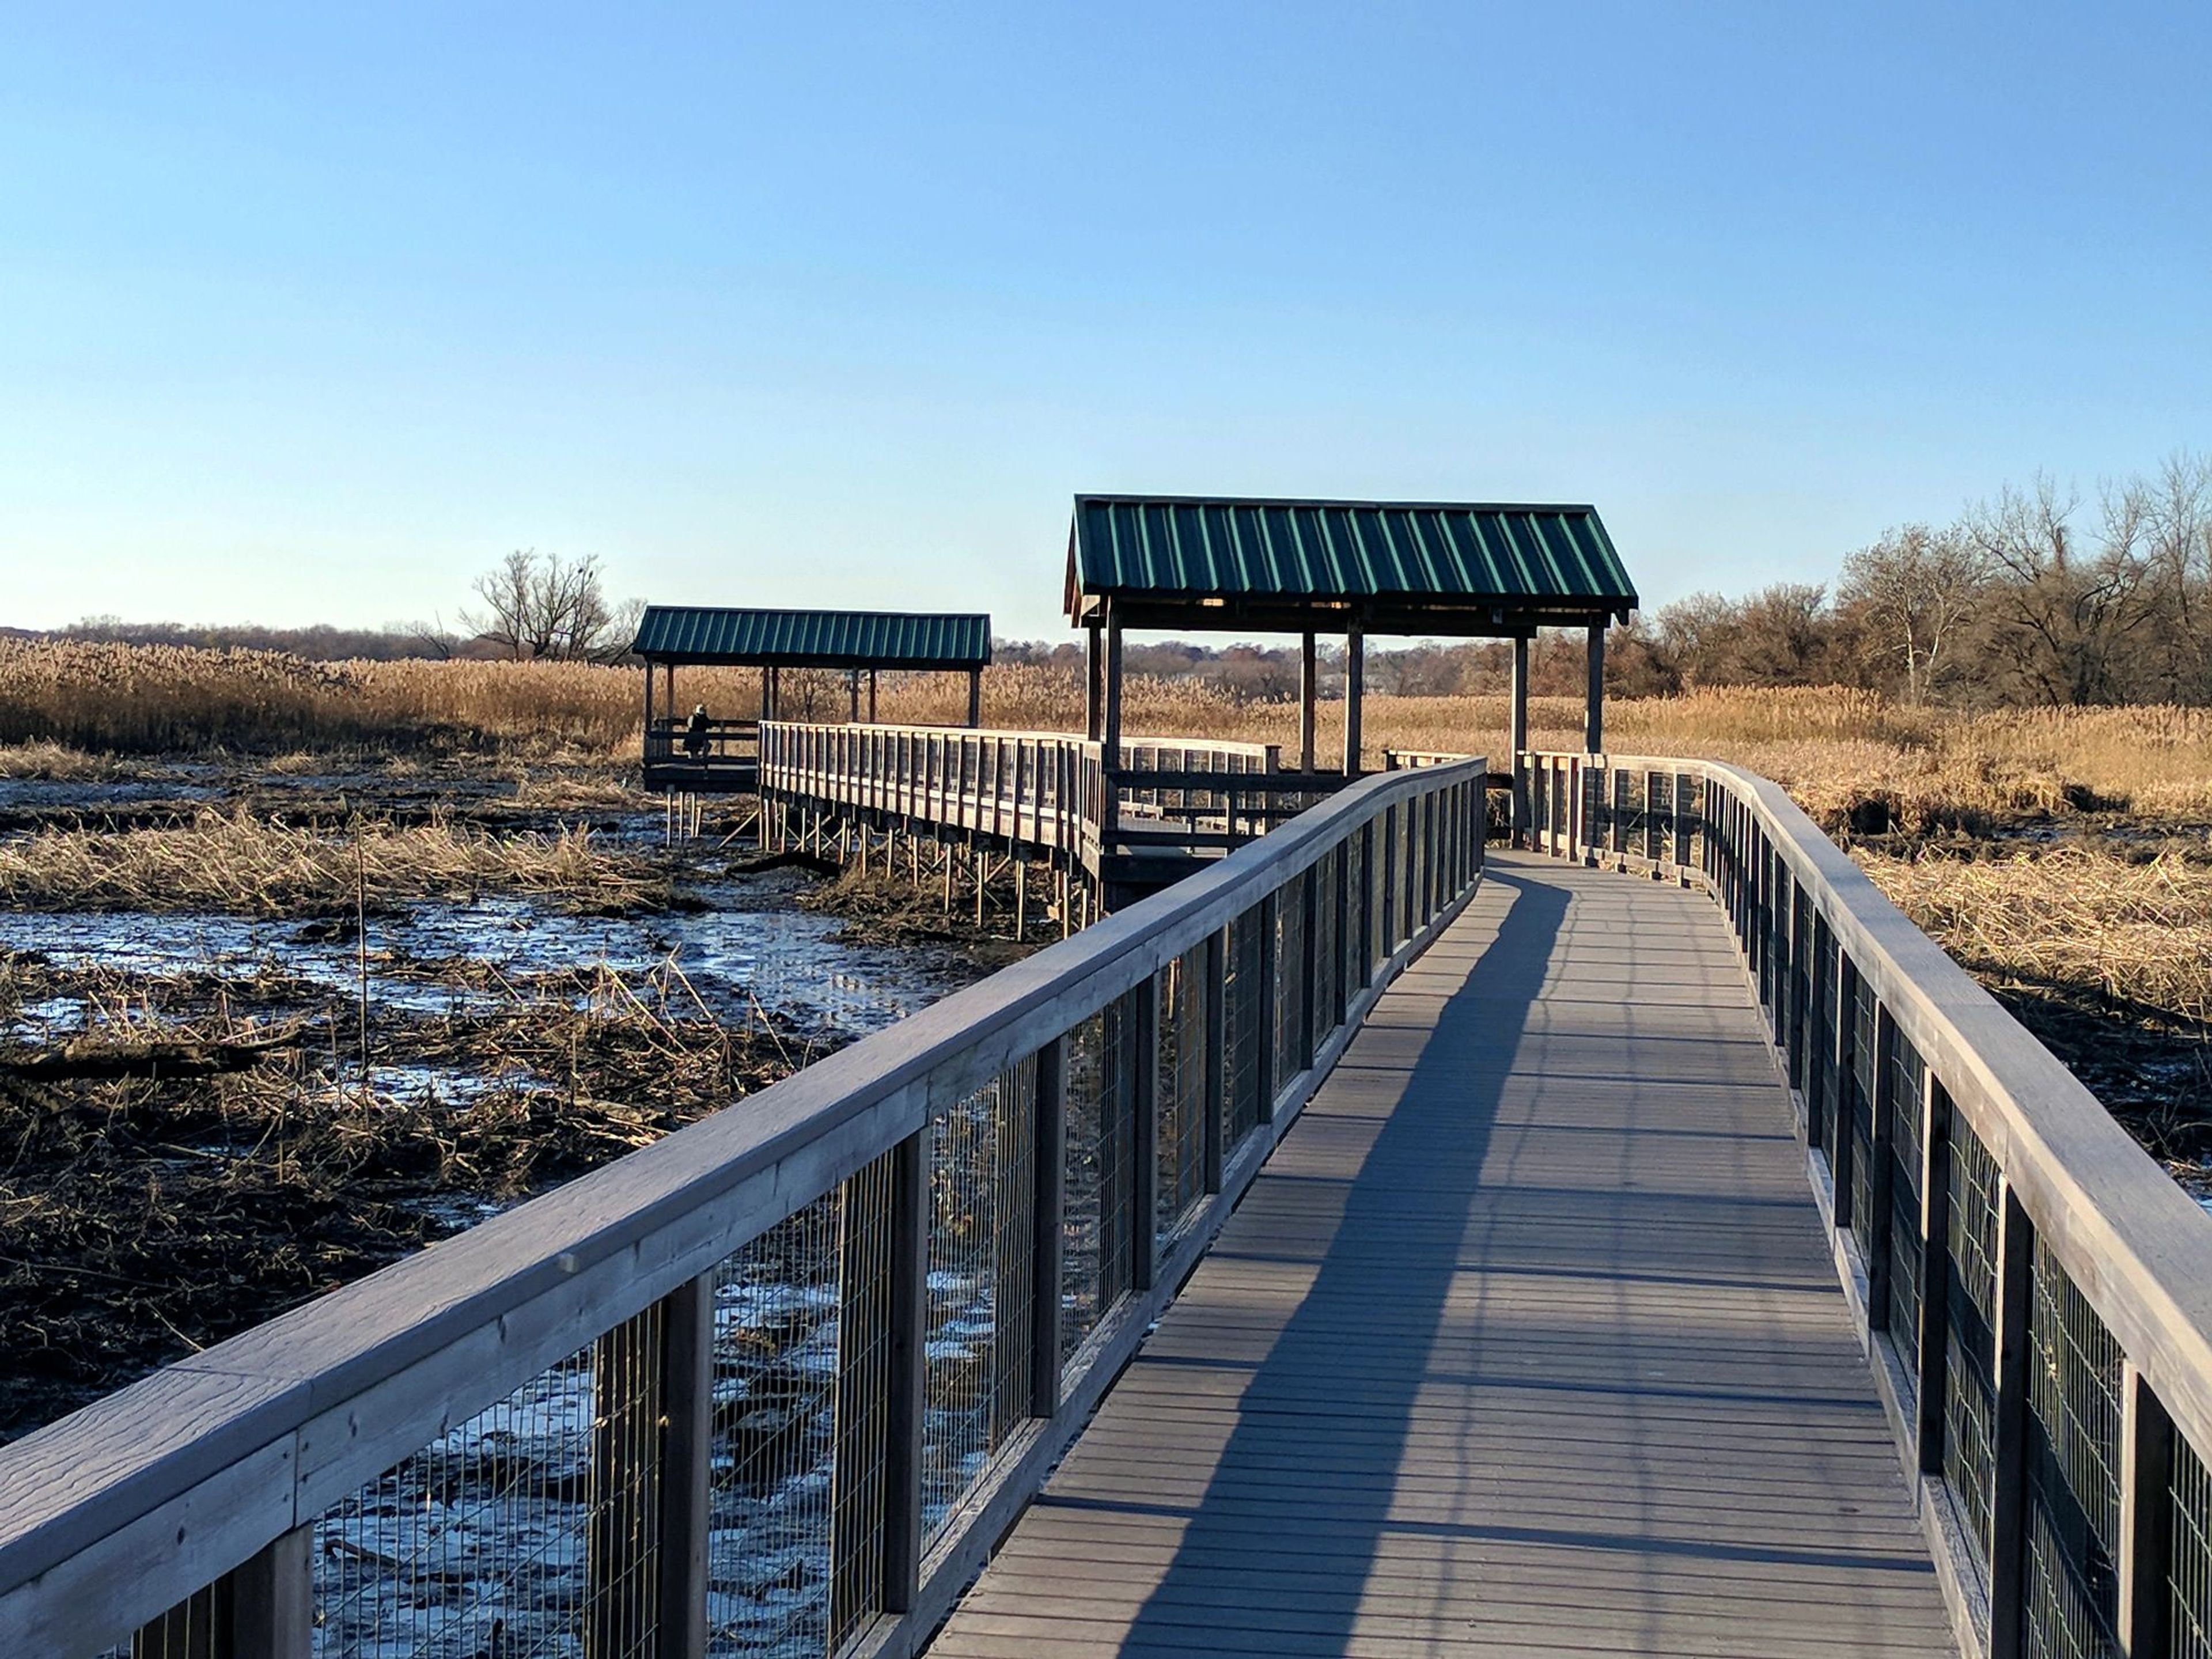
1251,565
861,643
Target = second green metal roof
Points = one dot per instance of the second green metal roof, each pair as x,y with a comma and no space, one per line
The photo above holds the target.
812,639
1456,555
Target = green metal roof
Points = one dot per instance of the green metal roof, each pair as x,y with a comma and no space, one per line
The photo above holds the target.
812,639
1519,561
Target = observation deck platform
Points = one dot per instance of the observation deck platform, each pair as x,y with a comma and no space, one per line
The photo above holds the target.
1528,1340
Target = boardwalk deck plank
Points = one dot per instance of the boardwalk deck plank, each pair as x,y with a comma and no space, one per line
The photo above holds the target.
1527,1342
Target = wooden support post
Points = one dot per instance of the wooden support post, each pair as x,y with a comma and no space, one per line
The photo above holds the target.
872,696
1355,675
1934,1358
649,754
1145,1107
2146,1540
1593,695
975,697
1048,1202
2008,1502
272,1596
1093,679
1517,740
687,1371
1109,737
1307,694
909,1341
767,693
1214,1087
1021,892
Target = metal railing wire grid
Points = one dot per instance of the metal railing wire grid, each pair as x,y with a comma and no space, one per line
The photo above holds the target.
1860,1086
2189,1576
1659,827
1288,1021
1908,1088
1820,1057
982,1196
197,1628
1355,967
1244,1028
1800,984
531,1529
1095,1254
1969,1373
1181,1181
1328,950
2072,1586
787,1352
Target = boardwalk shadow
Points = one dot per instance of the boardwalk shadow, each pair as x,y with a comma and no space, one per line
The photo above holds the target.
1358,1338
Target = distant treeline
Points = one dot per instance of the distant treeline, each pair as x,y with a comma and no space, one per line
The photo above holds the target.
2033,599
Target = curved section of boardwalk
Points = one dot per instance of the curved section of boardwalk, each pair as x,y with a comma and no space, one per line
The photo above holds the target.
1526,1342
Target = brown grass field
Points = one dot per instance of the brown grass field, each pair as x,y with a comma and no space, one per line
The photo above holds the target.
2060,854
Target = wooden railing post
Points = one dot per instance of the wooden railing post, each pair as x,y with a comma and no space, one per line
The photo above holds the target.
1049,1204
687,1367
909,1341
2008,1453
2146,1540
1935,1355
273,1601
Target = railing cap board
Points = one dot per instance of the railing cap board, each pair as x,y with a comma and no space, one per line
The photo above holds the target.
2134,1243
76,1482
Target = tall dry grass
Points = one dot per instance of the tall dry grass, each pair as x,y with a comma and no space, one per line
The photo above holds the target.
1846,754
236,864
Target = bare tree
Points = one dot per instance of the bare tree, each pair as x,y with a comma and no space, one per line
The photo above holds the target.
551,607
2062,612
1916,590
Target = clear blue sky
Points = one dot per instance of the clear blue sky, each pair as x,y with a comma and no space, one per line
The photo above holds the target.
311,314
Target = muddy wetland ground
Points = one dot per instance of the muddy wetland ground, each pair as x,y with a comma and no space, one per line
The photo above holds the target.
263,1030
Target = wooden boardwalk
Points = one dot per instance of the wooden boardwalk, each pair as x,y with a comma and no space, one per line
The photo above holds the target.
1526,1342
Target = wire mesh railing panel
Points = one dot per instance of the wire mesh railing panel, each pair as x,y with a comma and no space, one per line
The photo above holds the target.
1244,1028
1288,1021
1095,1251
982,1197
1820,1052
1357,967
1908,1086
2071,1584
2189,1572
1181,1092
1659,817
775,1492
1970,1373
1859,1084
1328,950
1800,984
199,1628
532,1530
